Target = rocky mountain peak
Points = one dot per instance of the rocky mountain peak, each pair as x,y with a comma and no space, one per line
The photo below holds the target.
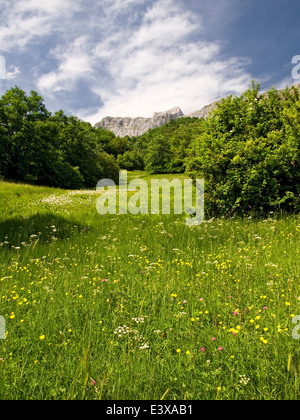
132,127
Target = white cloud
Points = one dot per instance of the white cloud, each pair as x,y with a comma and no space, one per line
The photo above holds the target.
13,73
75,63
2,67
137,56
157,66
28,21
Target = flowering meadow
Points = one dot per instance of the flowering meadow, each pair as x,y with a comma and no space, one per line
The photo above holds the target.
144,307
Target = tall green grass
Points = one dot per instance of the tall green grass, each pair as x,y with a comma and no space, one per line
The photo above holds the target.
141,307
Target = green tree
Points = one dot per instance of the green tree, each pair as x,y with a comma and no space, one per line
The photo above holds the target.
248,154
131,160
80,148
49,149
158,156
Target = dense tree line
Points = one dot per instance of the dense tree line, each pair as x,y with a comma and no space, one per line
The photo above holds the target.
247,150
249,154
46,149
163,149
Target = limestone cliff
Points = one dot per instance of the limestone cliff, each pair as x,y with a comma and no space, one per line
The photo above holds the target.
136,126
133,127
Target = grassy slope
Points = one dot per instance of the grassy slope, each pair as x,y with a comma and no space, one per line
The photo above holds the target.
70,279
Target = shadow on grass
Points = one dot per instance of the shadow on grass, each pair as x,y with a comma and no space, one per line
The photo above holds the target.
42,228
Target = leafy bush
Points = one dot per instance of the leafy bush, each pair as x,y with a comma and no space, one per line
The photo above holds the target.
53,150
249,154
131,160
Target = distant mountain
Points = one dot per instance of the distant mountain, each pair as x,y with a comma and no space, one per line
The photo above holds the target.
203,112
134,127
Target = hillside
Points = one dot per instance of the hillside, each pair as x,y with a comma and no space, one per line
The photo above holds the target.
134,127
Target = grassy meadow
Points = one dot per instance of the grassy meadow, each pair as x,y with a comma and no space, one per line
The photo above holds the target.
144,307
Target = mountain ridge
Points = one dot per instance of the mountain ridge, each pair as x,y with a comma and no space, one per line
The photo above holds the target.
134,127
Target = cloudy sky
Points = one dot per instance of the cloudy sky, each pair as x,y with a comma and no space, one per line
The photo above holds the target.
94,58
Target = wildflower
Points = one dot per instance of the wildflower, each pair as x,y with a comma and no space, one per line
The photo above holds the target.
202,349
42,337
244,380
178,350
220,348
145,346
188,352
213,339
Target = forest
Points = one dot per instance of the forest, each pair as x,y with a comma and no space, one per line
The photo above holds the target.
247,150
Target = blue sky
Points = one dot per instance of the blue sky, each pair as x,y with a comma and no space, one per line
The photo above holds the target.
134,57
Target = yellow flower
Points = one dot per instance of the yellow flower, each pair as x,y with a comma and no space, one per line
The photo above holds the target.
178,350
42,337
